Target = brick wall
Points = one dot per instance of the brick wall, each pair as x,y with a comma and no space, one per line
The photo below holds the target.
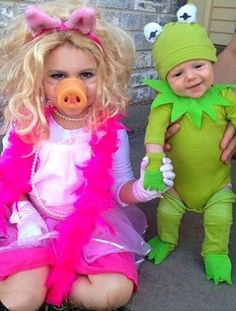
131,15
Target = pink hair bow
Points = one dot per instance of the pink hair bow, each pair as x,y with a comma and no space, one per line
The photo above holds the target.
82,20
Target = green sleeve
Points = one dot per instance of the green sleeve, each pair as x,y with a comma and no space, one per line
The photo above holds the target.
230,110
158,122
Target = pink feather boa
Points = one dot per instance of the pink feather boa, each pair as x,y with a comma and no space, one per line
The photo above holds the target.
15,169
75,231
94,198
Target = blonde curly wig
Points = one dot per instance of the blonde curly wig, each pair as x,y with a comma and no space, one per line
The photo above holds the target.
23,64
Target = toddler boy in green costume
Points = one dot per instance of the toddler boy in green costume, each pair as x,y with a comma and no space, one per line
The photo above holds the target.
184,57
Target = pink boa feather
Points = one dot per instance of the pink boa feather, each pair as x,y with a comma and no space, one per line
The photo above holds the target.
94,199
76,230
15,168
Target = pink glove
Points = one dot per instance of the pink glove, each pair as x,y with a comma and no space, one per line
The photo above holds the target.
28,221
144,195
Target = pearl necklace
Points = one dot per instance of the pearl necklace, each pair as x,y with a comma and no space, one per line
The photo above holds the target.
41,204
68,118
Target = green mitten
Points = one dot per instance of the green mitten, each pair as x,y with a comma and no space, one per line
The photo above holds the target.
218,268
153,179
159,250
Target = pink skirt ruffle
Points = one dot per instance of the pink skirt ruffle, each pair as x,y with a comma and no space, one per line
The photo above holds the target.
116,246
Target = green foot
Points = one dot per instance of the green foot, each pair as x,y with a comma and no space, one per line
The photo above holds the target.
159,250
218,268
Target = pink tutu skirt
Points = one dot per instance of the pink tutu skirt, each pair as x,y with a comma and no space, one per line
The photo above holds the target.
116,247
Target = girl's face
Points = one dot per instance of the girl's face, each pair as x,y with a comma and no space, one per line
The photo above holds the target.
68,61
191,79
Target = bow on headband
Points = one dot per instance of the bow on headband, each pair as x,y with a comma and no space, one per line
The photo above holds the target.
82,20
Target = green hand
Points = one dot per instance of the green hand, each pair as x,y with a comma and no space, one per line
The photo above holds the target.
159,250
218,268
153,179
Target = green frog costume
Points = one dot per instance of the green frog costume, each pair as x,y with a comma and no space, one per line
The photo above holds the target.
202,180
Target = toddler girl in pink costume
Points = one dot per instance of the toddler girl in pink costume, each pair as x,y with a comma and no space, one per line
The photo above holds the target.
68,228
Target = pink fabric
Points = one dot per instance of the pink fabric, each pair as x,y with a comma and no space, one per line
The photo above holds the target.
32,258
122,263
15,169
95,197
124,232
27,259
110,260
65,256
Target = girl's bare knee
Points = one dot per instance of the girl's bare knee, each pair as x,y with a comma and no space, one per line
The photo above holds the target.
116,291
24,291
102,292
119,293
23,301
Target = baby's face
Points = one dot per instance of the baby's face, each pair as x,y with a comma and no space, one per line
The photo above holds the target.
191,79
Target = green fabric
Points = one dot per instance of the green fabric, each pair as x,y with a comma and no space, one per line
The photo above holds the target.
194,107
153,179
170,212
217,220
181,42
159,250
195,152
154,160
159,120
218,268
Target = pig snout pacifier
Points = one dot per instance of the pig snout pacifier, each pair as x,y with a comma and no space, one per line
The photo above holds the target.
71,94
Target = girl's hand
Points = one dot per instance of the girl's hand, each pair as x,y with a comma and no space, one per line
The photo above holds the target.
144,195
28,222
28,232
167,172
228,144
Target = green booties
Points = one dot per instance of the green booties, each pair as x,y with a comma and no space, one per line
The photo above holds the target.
218,268
159,250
